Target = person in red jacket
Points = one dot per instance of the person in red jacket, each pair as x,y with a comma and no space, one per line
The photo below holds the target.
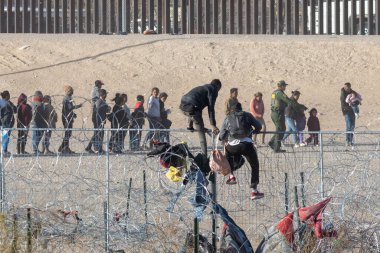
24,116
313,125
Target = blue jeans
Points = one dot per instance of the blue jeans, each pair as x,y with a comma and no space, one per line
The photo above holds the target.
292,128
6,135
36,138
350,126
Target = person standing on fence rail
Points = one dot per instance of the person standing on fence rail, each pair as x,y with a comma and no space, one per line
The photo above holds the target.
24,116
39,120
257,110
7,111
194,102
68,117
348,113
52,118
236,132
279,102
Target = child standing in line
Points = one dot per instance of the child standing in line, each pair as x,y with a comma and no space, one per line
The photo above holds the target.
137,122
313,125
354,99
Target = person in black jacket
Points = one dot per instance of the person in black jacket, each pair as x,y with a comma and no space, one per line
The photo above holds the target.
137,122
165,122
119,120
238,144
68,117
24,116
7,111
348,113
194,102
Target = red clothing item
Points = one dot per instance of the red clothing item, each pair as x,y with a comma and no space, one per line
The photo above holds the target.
257,108
24,112
138,104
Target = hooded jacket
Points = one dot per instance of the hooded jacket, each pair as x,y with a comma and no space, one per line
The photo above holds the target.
24,112
7,109
200,97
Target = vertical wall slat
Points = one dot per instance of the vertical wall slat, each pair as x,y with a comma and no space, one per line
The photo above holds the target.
119,19
151,14
370,17
184,16
232,16
2,13
304,17
280,21
216,16
288,18
64,16
127,16
224,16
111,16
353,18
240,16
248,20
72,16
17,13
88,16
96,14
263,17
103,7
25,18
135,16
296,12
255,16
143,15
191,16
362,17
56,16
48,16
345,17
320,17
312,17
199,17
377,11
9,17
208,18
167,16
337,17
40,17
175,16
271,17
159,16
329,16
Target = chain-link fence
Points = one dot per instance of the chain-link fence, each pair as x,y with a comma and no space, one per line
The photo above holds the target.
84,202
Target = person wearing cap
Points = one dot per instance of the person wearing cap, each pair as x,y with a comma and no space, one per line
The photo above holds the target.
101,111
241,145
232,100
7,111
192,105
52,118
68,117
279,101
257,110
293,112
39,120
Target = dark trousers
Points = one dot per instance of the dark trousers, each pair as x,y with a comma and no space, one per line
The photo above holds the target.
47,136
279,121
97,138
313,138
66,138
247,150
117,140
196,121
22,136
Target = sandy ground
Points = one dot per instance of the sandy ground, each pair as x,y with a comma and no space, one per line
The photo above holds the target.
317,66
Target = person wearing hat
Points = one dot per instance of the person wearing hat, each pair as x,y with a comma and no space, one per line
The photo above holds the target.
101,111
39,120
279,101
7,111
68,117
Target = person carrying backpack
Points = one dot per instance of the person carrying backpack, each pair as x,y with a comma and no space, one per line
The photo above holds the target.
237,132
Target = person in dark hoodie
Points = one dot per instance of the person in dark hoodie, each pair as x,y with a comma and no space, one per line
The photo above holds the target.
348,113
24,116
137,123
237,132
7,111
119,120
39,120
194,102
68,117
313,125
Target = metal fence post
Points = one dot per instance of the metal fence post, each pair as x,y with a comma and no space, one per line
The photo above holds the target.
214,195
107,202
321,164
196,235
2,179
286,190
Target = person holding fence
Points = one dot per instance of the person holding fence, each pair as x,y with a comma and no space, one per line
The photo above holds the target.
52,119
24,116
7,111
236,132
39,120
257,110
68,117
192,105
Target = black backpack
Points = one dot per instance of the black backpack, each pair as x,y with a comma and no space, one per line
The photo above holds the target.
239,126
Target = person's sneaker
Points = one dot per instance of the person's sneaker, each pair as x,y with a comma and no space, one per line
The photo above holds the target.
257,195
357,115
231,180
89,150
296,145
191,129
303,144
6,153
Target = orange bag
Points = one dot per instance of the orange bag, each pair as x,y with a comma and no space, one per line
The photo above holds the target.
219,163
